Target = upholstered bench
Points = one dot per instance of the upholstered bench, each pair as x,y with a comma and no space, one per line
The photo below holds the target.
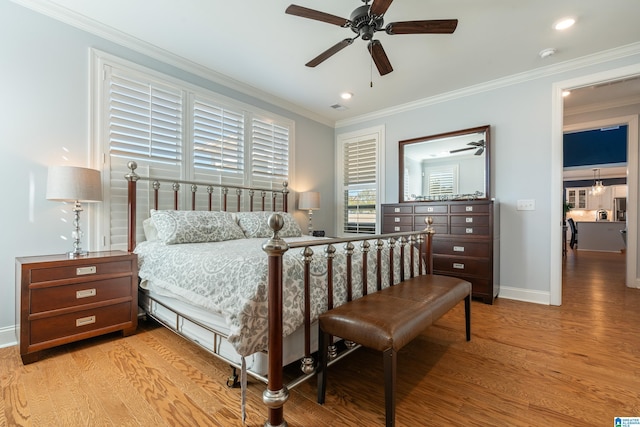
389,319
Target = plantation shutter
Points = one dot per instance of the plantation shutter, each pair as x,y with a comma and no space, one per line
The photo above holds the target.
360,163
442,181
270,151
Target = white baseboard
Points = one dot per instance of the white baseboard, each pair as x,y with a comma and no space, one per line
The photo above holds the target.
8,336
519,294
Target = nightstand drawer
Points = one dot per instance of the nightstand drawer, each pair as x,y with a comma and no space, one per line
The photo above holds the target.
84,270
68,325
55,297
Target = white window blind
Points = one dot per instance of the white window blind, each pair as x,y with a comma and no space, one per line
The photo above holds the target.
145,119
218,138
442,181
360,175
269,150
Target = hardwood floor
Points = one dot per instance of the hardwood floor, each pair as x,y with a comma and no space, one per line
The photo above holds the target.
526,365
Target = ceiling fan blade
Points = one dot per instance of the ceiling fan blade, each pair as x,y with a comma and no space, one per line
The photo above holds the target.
379,57
434,26
379,7
317,15
462,149
479,151
329,52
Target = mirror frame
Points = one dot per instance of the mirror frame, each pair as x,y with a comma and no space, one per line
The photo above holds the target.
433,138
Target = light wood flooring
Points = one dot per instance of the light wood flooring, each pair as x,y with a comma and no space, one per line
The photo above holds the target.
526,365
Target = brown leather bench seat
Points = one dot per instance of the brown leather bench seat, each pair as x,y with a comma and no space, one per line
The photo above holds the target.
389,319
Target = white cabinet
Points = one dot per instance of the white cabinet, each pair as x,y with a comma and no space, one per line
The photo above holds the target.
603,200
577,197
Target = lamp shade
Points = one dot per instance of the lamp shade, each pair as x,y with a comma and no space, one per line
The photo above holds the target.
309,201
71,184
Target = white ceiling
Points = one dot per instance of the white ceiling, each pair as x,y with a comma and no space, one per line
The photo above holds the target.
263,50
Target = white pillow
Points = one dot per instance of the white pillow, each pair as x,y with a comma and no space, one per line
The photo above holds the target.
150,231
255,224
195,226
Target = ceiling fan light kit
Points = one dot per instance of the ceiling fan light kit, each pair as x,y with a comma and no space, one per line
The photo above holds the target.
365,21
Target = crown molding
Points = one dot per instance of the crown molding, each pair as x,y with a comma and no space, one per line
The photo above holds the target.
550,70
106,32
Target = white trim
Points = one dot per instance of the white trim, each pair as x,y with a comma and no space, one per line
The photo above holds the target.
604,56
91,26
525,295
8,336
555,264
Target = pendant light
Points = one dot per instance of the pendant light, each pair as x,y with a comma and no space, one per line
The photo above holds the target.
597,188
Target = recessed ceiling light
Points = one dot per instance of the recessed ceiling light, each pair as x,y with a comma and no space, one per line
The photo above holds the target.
346,95
564,23
545,53
566,93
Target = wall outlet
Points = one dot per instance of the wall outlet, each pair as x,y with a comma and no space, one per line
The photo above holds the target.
526,205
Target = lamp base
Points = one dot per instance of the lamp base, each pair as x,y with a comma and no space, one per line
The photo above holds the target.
77,254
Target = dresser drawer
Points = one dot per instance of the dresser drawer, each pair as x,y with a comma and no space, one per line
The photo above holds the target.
55,297
470,208
398,220
469,230
461,248
470,220
397,209
76,270
68,325
430,209
468,266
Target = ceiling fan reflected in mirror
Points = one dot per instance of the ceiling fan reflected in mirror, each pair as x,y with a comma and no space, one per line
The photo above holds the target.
477,145
365,21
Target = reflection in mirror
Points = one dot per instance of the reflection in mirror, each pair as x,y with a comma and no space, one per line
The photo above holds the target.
449,166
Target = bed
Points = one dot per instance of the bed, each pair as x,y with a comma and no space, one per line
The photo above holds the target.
248,286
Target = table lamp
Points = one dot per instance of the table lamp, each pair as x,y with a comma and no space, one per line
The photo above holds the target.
309,201
74,184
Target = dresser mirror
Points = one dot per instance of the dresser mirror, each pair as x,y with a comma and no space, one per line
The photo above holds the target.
447,166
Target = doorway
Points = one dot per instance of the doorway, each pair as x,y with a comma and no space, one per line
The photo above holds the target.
557,170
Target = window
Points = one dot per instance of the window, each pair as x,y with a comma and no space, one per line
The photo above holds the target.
359,185
174,129
442,180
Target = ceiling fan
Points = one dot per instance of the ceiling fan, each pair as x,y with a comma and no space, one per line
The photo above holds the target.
477,145
365,21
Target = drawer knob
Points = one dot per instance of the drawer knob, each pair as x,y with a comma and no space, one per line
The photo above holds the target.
83,321
469,230
396,219
396,210
396,228
458,265
468,219
468,208
86,293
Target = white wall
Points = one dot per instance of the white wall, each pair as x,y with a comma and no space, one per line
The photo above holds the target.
44,120
520,114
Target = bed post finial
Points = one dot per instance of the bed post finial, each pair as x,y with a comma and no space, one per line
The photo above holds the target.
276,393
132,176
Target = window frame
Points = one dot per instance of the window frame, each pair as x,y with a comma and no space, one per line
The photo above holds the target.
99,218
377,133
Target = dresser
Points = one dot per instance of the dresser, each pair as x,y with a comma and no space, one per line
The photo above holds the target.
466,242
62,299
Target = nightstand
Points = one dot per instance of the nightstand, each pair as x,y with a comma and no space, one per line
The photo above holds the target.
62,299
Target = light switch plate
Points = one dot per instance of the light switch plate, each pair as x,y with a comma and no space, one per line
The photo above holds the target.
526,205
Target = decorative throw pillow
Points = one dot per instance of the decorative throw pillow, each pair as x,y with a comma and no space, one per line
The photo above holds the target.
195,226
149,228
255,224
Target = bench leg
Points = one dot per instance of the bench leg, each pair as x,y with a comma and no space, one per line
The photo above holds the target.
467,316
321,377
390,363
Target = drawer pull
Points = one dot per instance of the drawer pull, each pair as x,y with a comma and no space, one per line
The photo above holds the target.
396,219
396,228
396,210
468,208
429,209
86,293
458,266
85,270
83,321
468,230
468,219
458,248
